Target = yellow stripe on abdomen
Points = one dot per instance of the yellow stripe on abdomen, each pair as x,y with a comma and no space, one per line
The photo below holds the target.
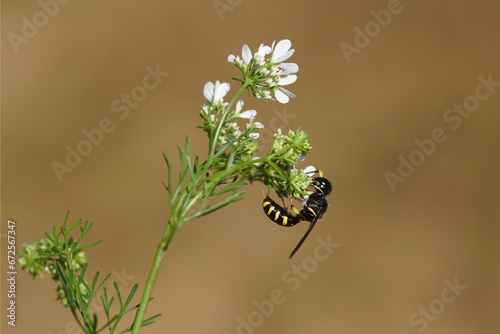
276,216
271,208
285,220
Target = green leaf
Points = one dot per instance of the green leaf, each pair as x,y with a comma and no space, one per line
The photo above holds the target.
131,295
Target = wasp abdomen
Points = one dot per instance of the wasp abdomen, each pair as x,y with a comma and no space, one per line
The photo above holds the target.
278,214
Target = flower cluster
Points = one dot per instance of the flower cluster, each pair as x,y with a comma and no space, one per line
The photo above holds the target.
286,152
265,70
264,73
36,258
291,152
213,111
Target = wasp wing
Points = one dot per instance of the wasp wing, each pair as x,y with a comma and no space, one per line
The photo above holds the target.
313,223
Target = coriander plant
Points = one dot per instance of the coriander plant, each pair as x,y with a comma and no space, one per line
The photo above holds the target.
204,185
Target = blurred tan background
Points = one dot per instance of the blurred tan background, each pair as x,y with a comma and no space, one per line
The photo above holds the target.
397,251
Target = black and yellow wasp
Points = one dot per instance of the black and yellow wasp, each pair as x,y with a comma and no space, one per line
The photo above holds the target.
312,211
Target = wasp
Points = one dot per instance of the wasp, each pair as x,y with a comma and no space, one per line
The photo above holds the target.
312,211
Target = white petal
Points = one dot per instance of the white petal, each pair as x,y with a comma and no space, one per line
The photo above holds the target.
239,105
285,56
289,67
283,95
248,114
231,58
287,92
220,91
264,50
246,54
258,125
208,91
281,50
253,135
289,79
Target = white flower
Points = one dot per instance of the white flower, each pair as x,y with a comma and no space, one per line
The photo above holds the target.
258,125
249,114
215,93
233,58
272,73
238,113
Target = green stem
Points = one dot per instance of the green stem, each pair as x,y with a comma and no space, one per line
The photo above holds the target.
153,273
174,222
214,139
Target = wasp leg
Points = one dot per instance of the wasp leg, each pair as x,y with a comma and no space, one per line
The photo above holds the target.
283,201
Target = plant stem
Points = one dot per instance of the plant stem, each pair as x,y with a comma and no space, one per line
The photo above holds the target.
214,139
176,219
153,273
